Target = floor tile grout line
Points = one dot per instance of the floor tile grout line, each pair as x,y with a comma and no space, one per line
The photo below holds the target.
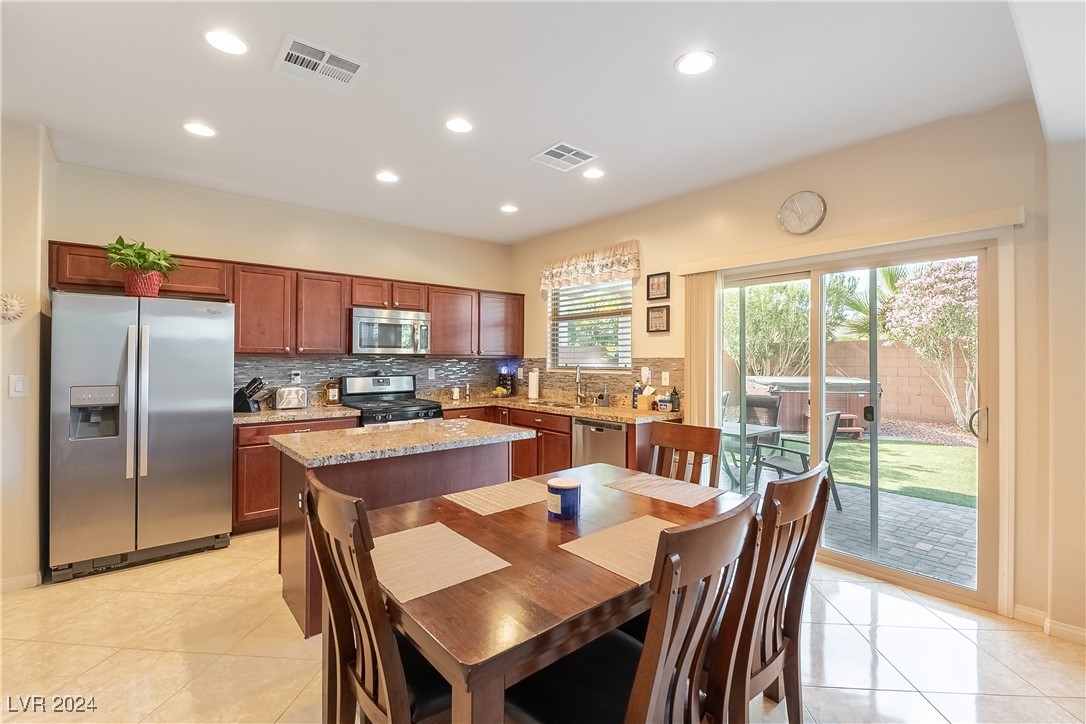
299,696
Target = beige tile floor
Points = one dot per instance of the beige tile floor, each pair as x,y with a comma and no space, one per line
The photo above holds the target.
207,638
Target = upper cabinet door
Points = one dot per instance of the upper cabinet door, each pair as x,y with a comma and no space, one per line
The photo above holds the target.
322,313
78,267
454,326
501,325
263,310
409,296
367,292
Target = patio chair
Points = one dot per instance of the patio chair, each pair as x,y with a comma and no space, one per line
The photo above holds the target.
761,410
793,461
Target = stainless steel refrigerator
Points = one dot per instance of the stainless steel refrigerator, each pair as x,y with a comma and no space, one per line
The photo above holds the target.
141,404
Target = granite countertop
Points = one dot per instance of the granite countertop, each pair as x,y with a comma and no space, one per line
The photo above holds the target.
373,442
313,412
627,415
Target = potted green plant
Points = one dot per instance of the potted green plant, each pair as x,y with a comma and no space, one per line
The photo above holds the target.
144,269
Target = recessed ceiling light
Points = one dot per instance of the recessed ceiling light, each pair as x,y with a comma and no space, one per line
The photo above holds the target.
226,42
509,209
199,129
458,125
387,177
593,173
694,62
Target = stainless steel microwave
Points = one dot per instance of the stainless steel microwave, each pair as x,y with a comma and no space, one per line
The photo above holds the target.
389,331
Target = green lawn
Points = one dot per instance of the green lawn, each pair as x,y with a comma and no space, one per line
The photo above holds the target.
944,473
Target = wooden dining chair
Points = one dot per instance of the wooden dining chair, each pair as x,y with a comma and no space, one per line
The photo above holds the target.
701,570
768,635
680,451
373,669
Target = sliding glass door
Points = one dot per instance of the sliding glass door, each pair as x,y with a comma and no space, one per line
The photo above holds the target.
894,394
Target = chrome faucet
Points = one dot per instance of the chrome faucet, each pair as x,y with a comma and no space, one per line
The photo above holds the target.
580,390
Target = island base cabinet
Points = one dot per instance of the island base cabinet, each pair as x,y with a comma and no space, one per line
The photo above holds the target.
381,483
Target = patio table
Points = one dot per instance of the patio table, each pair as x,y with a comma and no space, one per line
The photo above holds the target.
748,434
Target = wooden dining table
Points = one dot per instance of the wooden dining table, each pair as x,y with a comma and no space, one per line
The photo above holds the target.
487,633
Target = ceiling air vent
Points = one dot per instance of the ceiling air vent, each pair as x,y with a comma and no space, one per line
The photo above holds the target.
563,157
302,59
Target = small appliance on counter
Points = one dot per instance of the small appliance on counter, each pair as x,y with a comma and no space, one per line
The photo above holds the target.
291,397
507,381
245,396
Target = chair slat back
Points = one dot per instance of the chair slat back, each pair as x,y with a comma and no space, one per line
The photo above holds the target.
764,410
693,444
792,511
830,423
700,569
367,658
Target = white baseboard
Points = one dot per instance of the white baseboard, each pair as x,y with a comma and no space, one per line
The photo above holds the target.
16,583
1035,616
1067,632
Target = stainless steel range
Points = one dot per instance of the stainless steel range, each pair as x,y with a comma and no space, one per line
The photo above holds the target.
387,399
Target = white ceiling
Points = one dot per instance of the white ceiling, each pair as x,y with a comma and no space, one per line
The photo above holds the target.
113,82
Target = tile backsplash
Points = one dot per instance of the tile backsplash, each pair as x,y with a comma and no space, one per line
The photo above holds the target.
316,371
451,372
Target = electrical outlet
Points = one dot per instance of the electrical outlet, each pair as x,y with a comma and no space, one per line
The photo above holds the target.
520,373
18,386
665,378
430,374
295,376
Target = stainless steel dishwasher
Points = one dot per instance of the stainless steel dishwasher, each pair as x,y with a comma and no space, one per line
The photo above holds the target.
596,441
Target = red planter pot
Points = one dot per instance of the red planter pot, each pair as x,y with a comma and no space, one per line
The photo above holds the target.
142,283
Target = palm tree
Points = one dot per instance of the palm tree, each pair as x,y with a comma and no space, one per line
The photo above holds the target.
857,324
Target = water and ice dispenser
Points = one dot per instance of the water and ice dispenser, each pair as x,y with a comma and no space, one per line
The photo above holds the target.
95,412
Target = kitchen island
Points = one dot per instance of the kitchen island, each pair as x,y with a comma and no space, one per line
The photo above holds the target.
384,465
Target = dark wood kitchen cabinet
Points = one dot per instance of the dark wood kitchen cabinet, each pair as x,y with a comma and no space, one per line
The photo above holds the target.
322,318
369,292
287,312
466,322
501,325
454,321
552,448
257,469
83,268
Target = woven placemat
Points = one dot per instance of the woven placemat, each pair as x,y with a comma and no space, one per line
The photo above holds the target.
504,496
418,561
628,549
679,492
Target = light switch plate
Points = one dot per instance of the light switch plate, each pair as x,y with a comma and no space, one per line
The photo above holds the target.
520,373
18,385
665,378
430,374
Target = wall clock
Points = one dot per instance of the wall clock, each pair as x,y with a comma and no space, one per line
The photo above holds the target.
802,212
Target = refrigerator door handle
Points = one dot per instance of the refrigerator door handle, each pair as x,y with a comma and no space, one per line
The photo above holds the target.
144,404
130,406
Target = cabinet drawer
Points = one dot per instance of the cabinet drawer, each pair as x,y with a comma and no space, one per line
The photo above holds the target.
258,434
468,413
540,420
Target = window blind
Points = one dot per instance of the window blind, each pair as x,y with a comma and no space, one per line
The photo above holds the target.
592,325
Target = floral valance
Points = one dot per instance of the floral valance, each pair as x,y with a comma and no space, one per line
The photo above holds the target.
618,261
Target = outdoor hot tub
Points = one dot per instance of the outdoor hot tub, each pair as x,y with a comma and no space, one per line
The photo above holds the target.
848,394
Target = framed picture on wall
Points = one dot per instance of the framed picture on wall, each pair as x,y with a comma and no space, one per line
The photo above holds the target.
659,318
659,286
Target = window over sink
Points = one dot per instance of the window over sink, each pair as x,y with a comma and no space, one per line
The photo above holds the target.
591,325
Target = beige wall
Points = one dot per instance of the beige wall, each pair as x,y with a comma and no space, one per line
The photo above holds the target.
959,166
28,174
1067,385
94,206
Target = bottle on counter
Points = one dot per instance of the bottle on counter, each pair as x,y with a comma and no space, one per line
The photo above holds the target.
331,392
636,393
674,399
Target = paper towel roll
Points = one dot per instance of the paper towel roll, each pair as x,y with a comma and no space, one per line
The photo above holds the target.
533,384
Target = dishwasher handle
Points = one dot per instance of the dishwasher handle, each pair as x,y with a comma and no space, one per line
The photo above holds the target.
599,425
